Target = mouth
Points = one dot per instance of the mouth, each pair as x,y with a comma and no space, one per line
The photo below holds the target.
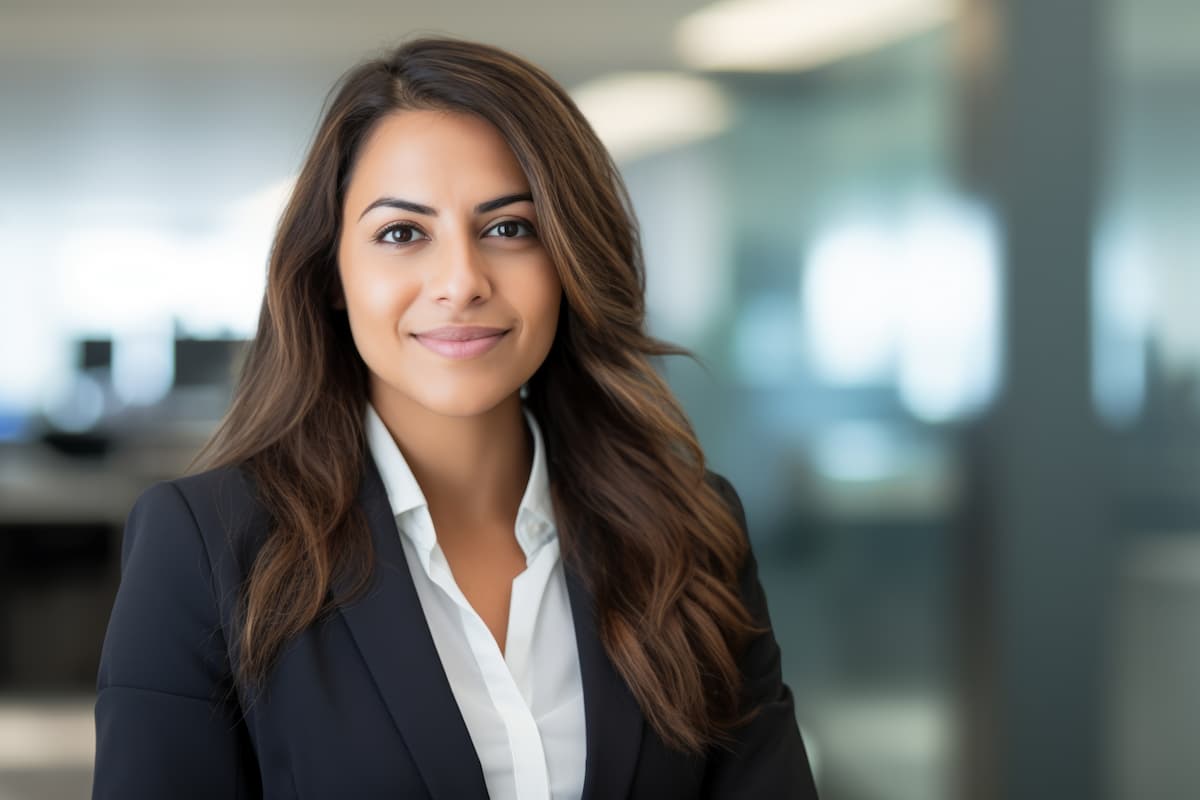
461,348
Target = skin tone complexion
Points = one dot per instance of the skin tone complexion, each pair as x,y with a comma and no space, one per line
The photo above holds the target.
453,304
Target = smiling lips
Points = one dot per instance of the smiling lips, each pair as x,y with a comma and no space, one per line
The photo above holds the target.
461,341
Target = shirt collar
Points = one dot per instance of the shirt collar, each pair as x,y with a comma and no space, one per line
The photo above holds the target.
535,517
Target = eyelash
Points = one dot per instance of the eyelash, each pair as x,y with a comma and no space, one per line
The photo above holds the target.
395,226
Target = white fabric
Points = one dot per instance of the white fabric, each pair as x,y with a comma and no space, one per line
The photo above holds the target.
523,707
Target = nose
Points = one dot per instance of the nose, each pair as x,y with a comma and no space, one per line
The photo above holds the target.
460,276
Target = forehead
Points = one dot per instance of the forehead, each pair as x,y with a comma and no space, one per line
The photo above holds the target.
434,150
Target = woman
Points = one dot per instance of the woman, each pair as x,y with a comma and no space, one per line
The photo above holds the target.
455,538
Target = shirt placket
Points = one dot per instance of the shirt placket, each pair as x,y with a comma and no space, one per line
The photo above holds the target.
525,742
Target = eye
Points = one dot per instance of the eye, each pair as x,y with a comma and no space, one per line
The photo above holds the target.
400,233
510,228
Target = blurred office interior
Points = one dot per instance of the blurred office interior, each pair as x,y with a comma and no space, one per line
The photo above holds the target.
938,258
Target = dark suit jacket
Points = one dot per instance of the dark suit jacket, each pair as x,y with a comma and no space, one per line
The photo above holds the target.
358,706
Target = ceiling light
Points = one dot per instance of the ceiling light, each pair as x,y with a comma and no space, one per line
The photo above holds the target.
635,113
793,35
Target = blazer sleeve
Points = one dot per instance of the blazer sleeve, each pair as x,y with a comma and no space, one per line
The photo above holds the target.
166,723
767,758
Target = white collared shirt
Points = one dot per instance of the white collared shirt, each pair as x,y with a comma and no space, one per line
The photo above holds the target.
523,707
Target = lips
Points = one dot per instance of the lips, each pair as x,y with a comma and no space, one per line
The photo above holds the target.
460,343
460,333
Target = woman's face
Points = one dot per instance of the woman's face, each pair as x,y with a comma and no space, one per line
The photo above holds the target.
439,231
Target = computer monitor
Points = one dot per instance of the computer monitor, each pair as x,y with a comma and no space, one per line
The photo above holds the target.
95,354
205,362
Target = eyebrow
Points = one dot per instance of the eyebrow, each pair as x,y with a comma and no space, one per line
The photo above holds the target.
417,208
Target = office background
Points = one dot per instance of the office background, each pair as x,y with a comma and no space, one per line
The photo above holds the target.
939,258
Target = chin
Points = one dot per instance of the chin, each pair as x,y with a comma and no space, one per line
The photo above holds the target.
463,402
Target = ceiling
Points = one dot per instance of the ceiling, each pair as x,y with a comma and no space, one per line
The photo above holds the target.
166,112
573,39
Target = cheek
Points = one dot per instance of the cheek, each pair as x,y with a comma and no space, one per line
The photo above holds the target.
376,302
375,295
543,291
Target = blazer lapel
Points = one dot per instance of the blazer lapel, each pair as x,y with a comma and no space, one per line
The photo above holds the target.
389,627
613,719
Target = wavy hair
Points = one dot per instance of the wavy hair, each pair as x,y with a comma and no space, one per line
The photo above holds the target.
658,547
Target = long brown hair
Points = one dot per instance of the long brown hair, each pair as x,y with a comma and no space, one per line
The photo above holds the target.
657,545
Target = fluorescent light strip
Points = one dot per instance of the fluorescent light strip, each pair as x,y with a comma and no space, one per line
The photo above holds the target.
635,113
793,35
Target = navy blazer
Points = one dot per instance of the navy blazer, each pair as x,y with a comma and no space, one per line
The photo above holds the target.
358,705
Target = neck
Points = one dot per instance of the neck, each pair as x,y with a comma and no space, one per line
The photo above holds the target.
472,470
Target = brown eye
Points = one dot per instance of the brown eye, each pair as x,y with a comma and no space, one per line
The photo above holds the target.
511,228
400,234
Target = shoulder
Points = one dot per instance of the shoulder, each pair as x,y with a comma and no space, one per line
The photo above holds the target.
725,489
209,521
716,480
224,501
226,489
749,587
178,578
221,488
